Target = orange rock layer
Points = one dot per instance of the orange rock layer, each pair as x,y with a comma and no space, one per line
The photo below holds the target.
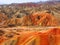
43,37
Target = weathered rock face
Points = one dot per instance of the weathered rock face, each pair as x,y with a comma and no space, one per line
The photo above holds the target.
3,19
30,24
16,15
43,19
35,19
13,36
